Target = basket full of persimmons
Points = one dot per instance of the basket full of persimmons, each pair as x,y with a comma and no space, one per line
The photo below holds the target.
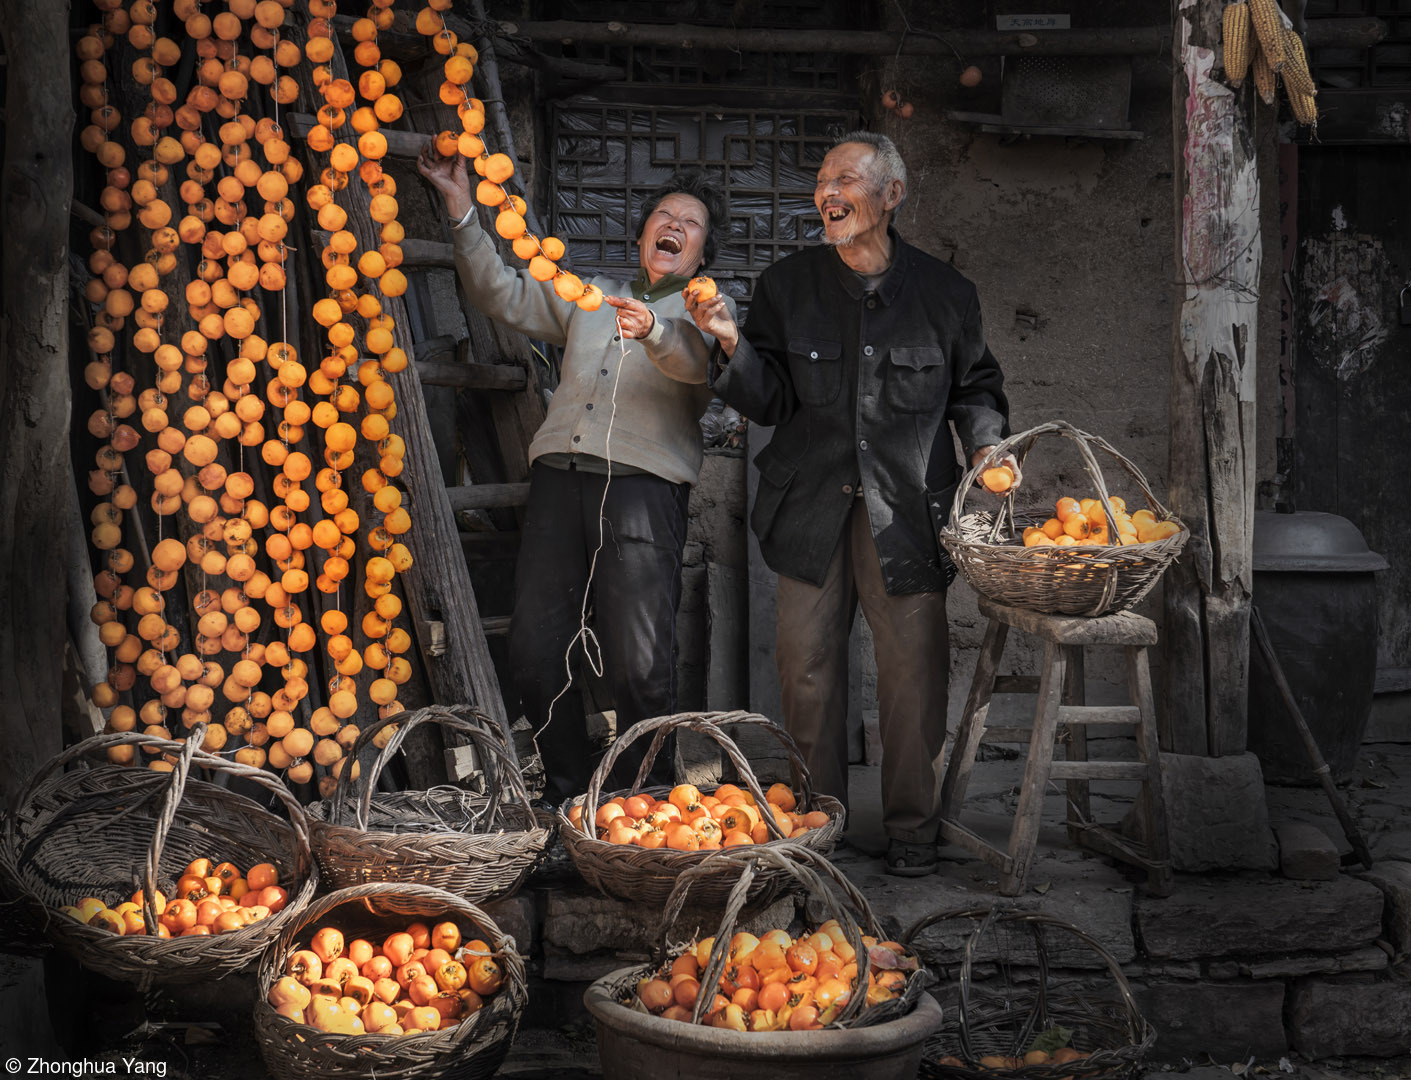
151,875
1087,554
634,844
836,999
387,979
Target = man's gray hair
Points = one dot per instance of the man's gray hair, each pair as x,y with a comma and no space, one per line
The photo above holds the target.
887,164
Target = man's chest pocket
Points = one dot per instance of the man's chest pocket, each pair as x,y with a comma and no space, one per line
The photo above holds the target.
817,370
918,378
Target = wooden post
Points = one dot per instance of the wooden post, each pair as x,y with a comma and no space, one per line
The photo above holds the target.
35,470
1219,250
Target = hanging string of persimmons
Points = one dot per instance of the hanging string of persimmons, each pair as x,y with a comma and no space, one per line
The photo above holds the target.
181,442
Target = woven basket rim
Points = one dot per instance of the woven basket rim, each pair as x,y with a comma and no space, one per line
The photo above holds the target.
1042,578
956,1034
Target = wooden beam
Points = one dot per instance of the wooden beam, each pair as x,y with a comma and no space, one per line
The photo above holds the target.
487,496
35,468
400,144
471,376
1212,452
418,254
1105,41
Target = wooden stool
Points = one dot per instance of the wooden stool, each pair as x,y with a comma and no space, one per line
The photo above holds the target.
1062,714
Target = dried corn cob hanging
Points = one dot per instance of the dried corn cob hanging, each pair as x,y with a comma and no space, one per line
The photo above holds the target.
1295,72
1236,43
1265,81
1268,22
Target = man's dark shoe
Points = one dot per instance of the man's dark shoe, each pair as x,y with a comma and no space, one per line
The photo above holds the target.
911,860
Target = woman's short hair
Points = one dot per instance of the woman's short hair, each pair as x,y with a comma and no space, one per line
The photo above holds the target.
887,164
695,183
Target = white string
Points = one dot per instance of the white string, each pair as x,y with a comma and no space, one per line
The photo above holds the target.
592,651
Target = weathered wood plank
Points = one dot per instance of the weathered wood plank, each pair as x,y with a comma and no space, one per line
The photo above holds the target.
1108,41
1212,395
471,376
400,144
972,723
1119,628
1097,770
35,469
1024,835
420,254
1099,714
487,496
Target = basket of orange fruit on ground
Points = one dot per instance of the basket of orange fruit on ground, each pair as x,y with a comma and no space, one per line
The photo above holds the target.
1087,554
389,980
1032,1019
834,1001
150,875
634,844
480,845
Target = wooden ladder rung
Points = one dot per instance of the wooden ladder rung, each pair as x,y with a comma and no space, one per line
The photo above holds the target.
1104,841
1098,770
957,833
1016,684
1099,714
400,144
466,376
488,496
495,625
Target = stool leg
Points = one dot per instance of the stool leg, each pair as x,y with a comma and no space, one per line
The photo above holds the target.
1158,846
1025,833
972,724
1079,807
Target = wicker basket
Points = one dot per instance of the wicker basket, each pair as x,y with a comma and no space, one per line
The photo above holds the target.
1003,1021
472,1050
646,875
796,867
111,829
480,847
1085,579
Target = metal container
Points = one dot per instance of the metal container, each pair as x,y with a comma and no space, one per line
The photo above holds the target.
1314,585
635,1046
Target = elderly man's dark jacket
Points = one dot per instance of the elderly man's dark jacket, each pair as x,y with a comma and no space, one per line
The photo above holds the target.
860,385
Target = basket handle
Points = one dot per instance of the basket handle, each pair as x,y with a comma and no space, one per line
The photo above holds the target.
502,775
1024,441
1037,922
712,726
809,869
188,752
